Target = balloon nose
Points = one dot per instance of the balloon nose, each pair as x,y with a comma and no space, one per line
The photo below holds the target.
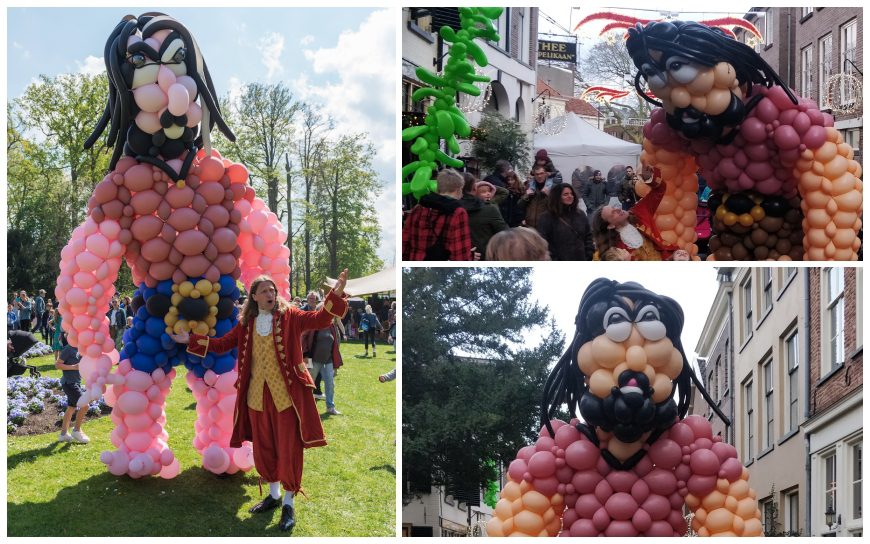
165,78
632,382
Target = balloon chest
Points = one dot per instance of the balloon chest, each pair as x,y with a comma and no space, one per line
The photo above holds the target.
182,247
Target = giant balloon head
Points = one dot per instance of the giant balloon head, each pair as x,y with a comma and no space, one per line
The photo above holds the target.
702,77
156,75
625,364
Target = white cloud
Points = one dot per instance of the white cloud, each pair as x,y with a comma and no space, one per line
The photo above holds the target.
306,40
91,66
235,88
271,46
360,95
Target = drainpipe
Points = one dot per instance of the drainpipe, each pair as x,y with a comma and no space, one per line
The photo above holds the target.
730,361
808,462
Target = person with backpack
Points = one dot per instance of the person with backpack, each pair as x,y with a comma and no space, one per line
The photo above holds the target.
437,229
368,323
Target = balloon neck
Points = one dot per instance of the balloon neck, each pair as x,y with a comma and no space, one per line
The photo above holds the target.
180,184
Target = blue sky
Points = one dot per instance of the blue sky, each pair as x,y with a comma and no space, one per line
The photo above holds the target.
341,58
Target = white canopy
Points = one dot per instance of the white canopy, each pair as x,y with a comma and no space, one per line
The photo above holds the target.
580,144
379,282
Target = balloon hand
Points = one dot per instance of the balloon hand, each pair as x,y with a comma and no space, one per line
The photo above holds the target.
181,338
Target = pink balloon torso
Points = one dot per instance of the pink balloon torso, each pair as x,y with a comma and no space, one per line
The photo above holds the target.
763,155
646,500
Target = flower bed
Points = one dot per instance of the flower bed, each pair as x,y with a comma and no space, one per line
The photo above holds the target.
35,405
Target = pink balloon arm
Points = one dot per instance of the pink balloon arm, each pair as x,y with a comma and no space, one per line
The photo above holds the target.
88,269
262,240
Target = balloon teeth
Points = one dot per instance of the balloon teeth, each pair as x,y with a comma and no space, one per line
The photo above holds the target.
627,389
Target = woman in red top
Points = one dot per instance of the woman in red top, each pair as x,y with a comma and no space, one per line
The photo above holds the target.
275,408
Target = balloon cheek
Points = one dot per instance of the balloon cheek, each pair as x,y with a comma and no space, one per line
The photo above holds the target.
179,69
145,75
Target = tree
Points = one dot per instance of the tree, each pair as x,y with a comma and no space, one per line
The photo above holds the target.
472,380
262,120
348,233
309,149
501,138
50,175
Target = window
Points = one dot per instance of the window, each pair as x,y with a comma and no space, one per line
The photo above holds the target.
767,286
749,433
768,28
760,24
502,24
859,307
832,287
792,514
856,480
807,71
792,355
768,516
523,27
768,404
848,34
830,482
805,12
711,380
825,70
747,309
717,373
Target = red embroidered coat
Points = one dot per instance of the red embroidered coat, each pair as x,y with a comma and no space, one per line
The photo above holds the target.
644,219
287,330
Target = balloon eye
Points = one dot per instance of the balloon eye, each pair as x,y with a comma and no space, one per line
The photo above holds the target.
179,55
649,324
137,60
682,71
617,326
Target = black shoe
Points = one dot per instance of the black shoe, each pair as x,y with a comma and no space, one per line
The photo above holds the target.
269,503
288,518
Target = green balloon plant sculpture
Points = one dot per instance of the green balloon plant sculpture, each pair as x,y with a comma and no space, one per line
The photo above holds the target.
443,119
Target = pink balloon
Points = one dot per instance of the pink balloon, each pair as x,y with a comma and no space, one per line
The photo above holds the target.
224,239
517,469
641,520
194,265
786,137
704,462
213,192
621,528
753,130
178,99
802,123
700,486
133,402
180,198
194,114
731,469
815,137
766,111
138,422
191,242
146,202
150,98
218,215
211,169
155,250
661,482
215,459
183,219
583,527
621,506
138,440
171,470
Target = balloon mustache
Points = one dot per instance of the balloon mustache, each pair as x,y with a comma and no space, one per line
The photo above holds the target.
628,411
694,124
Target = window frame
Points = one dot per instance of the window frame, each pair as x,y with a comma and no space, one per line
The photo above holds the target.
792,364
826,69
850,54
766,289
807,71
834,317
769,409
748,433
747,310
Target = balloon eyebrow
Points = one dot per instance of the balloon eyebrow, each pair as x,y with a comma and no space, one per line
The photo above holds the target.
144,47
174,35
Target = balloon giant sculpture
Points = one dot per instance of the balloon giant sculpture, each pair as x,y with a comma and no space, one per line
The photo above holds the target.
788,186
189,226
636,459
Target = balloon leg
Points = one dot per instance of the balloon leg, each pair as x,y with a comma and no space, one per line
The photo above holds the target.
139,416
215,409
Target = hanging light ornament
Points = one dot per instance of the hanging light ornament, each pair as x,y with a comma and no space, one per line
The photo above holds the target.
845,92
545,123
470,104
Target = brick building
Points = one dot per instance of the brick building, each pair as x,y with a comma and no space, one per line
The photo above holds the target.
834,427
809,48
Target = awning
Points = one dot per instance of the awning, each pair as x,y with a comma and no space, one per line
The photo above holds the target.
379,282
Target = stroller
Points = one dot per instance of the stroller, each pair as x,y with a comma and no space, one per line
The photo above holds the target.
16,364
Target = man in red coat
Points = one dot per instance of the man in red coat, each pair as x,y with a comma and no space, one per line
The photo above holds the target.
275,408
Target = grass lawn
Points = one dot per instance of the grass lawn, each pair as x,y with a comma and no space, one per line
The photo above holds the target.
64,490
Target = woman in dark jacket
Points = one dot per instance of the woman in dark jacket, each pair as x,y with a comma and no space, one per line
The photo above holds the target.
484,219
565,227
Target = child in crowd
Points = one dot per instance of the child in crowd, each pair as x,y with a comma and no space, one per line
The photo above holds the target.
70,382
616,254
680,255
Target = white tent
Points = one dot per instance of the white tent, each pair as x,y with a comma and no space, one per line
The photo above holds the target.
580,144
379,282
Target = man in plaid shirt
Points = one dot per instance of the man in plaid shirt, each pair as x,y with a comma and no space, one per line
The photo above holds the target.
437,227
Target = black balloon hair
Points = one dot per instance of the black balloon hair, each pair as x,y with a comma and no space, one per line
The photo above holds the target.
121,109
702,44
565,384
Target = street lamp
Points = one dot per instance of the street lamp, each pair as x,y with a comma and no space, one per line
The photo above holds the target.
830,516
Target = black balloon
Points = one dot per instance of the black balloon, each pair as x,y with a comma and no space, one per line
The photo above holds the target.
193,308
739,203
158,305
225,307
775,206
